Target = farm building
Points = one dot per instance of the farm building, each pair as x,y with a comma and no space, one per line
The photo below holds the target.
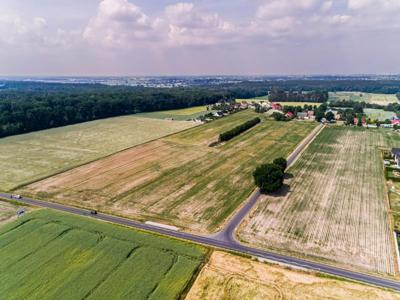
396,155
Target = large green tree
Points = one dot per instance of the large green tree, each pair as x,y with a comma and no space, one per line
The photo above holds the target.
281,163
268,177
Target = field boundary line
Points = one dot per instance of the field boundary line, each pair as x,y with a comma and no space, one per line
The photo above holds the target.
24,184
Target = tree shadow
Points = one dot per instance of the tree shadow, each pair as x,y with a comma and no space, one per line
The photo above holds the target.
282,192
288,175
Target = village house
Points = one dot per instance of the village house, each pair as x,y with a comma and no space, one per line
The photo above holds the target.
244,105
302,115
276,106
289,114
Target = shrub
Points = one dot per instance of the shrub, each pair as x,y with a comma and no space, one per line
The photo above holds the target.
227,135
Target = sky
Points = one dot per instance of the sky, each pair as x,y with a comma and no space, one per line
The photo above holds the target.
205,37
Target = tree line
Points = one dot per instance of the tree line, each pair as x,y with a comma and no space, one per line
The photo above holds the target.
227,135
26,111
280,95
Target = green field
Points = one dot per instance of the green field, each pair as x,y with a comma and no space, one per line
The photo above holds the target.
261,98
265,98
28,157
378,114
178,180
50,255
382,99
178,114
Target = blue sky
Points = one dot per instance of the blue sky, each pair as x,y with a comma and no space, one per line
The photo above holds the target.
138,37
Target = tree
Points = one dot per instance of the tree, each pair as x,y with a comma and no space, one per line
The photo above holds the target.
268,177
281,163
319,115
278,116
359,123
330,116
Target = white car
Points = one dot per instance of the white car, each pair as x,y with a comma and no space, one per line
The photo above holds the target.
16,196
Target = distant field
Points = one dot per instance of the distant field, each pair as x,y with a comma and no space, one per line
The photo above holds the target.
179,114
383,99
282,103
29,157
379,114
179,179
253,99
49,255
298,103
336,207
227,276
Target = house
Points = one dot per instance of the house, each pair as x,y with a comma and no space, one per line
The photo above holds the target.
396,156
289,114
310,113
276,106
244,105
355,121
218,114
302,115
395,122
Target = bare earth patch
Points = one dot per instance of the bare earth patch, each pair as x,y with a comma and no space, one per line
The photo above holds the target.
336,207
178,180
227,276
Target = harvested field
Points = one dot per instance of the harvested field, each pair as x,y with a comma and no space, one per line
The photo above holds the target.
178,180
227,276
382,99
49,255
335,206
30,157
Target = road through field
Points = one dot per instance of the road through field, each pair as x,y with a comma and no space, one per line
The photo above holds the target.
230,245
228,233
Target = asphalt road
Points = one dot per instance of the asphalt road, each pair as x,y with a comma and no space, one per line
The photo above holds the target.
228,233
226,245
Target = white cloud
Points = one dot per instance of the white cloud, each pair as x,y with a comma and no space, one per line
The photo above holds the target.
15,30
120,23
188,26
327,5
117,23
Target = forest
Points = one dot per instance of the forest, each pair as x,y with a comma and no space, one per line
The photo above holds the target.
30,106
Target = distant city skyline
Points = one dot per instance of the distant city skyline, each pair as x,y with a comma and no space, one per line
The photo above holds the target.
164,37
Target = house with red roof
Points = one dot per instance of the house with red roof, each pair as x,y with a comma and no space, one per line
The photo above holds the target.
276,106
289,114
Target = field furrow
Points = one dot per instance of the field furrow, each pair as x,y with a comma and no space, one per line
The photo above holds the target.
335,208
